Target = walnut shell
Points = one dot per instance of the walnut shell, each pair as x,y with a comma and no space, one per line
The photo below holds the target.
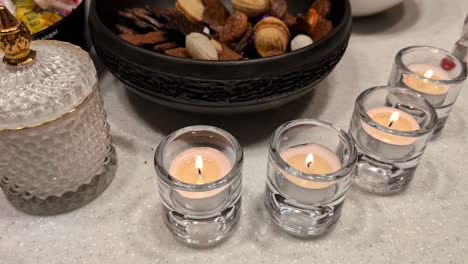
271,34
252,8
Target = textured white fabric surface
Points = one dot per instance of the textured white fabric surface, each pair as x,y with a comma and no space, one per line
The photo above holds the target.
425,224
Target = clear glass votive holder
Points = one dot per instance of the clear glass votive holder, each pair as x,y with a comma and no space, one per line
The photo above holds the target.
306,203
199,171
391,127
432,72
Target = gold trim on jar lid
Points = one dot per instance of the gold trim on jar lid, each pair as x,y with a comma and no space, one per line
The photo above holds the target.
15,39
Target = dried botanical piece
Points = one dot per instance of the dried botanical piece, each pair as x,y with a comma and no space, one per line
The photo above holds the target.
301,41
205,29
252,8
193,9
235,27
165,46
244,41
322,29
125,30
323,7
271,34
136,20
278,8
272,53
215,14
173,20
178,52
228,54
298,25
141,39
200,47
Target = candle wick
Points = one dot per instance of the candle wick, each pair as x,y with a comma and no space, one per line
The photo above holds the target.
391,124
199,171
308,164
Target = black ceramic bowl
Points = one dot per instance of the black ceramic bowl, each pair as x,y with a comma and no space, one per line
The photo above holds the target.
214,86
70,28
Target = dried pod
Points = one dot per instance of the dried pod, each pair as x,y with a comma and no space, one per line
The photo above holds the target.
193,9
298,25
177,52
322,29
215,13
235,27
252,8
271,34
244,41
312,17
301,41
278,8
323,7
200,47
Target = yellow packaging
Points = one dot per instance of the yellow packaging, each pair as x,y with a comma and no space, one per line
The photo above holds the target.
34,17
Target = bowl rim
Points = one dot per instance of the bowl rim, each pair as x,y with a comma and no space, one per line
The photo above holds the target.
94,14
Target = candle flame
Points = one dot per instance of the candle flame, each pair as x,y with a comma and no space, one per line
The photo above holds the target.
309,160
394,117
429,73
199,163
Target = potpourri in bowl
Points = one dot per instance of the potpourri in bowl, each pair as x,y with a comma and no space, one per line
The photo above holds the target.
220,59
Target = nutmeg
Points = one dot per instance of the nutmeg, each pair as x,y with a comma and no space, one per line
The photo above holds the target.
252,8
301,41
271,34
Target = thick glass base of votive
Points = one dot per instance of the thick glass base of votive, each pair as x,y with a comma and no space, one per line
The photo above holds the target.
384,178
442,120
203,231
301,220
69,201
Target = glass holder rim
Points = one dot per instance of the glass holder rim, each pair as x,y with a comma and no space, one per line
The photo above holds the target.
164,175
458,79
284,166
411,134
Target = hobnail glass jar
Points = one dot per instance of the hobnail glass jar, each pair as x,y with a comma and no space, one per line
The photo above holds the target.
56,152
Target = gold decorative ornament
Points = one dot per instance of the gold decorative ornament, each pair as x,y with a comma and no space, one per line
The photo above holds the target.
15,39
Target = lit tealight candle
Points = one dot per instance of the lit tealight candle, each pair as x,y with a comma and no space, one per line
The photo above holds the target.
392,118
435,93
311,159
198,166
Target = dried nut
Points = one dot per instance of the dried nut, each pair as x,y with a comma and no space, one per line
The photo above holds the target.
301,41
200,47
271,34
252,8
193,9
217,45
